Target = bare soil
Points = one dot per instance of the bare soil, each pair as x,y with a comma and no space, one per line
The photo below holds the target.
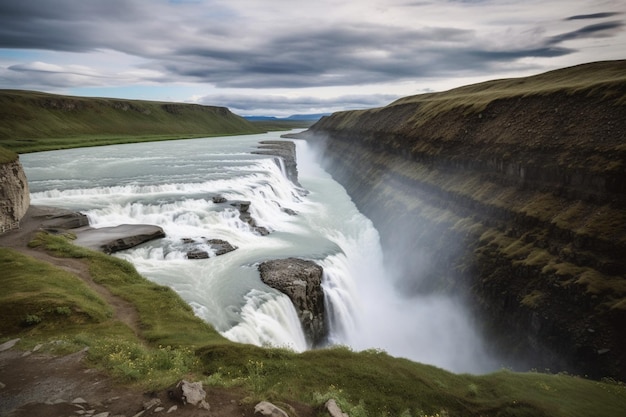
33,384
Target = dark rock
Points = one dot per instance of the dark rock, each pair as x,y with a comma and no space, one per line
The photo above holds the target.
69,220
301,281
114,239
218,199
286,150
197,254
187,240
220,246
246,217
289,211
260,230
242,206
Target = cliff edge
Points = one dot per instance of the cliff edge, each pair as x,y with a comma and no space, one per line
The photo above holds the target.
511,193
14,192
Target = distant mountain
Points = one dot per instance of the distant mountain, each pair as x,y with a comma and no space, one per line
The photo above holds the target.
293,117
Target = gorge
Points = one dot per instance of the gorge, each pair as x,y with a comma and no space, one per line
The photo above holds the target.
505,198
511,194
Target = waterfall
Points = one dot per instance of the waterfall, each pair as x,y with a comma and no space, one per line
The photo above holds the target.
172,184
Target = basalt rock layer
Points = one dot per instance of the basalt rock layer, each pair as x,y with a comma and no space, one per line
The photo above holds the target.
512,193
14,194
301,281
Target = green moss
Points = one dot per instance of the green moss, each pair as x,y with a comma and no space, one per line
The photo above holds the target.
7,156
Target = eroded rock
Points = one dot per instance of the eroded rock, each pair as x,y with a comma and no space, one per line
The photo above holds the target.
267,409
301,281
114,239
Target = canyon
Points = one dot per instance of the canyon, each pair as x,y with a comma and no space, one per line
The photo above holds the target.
510,194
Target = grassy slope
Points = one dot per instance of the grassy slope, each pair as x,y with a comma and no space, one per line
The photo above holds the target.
607,77
33,121
43,304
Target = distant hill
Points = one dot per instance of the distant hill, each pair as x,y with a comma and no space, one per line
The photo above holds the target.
293,117
27,115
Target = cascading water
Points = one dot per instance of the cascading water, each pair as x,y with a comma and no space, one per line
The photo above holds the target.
171,184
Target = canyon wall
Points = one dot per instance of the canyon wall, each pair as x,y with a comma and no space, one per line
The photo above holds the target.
511,194
14,194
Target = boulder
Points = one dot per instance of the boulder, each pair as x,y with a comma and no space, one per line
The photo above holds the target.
246,217
65,220
333,409
218,199
267,409
114,239
197,254
301,281
220,246
189,393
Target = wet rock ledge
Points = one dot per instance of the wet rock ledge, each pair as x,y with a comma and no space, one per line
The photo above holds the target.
301,281
286,150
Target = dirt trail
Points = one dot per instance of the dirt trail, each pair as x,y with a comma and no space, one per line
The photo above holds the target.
18,240
33,384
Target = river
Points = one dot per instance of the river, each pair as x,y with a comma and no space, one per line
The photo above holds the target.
172,184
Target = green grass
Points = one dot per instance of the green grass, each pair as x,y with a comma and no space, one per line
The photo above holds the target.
608,78
173,344
7,156
32,121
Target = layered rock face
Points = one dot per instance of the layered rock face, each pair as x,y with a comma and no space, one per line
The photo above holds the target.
301,281
511,193
14,195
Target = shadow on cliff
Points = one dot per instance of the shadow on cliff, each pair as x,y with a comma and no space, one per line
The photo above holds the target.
413,307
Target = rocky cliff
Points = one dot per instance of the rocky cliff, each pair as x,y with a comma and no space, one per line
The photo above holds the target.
14,193
511,193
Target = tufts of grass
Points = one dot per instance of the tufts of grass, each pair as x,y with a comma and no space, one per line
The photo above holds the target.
38,297
7,156
165,318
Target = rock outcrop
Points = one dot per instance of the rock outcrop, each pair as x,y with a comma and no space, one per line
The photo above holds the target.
511,193
286,151
117,238
14,194
301,281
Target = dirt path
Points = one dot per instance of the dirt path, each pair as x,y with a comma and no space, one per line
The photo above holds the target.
41,385
18,240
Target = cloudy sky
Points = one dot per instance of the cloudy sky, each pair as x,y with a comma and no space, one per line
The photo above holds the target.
282,57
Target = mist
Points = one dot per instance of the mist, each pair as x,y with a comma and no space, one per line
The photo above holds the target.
389,306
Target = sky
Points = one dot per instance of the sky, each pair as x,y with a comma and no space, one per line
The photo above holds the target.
284,57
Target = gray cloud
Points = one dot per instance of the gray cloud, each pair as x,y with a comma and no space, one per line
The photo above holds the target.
211,42
593,16
286,106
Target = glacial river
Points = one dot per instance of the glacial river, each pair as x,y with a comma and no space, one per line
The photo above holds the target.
172,184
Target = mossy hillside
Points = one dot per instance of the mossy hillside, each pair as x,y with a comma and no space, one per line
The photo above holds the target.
7,156
33,121
369,383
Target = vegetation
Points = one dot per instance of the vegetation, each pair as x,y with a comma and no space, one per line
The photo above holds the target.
45,304
7,156
609,77
32,121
